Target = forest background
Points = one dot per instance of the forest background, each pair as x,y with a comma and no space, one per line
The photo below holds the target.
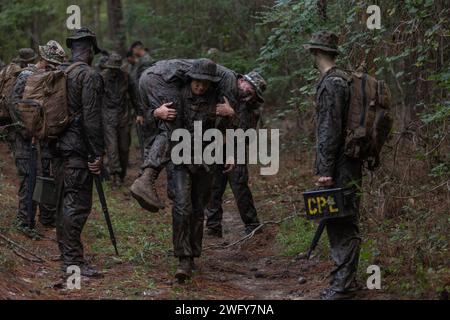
406,202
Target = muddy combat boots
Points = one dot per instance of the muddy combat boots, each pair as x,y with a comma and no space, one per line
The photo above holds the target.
184,271
144,191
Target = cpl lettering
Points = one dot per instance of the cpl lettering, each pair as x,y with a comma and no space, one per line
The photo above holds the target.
320,204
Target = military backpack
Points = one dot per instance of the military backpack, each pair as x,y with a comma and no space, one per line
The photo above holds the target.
8,77
43,111
368,121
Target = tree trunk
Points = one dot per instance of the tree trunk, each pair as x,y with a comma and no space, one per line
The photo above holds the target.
97,24
116,34
34,33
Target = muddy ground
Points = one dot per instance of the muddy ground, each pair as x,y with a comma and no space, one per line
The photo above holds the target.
258,268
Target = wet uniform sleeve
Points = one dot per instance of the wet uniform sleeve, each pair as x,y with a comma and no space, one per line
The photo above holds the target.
147,103
332,100
228,88
92,93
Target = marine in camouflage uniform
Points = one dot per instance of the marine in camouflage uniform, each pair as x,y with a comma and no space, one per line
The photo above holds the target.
117,117
247,115
332,167
130,67
80,150
160,84
189,185
51,55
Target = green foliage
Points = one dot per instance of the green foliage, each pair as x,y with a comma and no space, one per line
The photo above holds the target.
441,170
295,237
410,44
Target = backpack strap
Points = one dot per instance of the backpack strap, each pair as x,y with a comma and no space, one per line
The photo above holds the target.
67,72
73,66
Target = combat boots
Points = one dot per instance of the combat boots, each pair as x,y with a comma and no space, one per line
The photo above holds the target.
144,191
184,271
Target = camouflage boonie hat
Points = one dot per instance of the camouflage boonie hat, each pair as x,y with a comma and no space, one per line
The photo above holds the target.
204,69
27,55
114,61
258,83
83,33
323,40
52,52
102,61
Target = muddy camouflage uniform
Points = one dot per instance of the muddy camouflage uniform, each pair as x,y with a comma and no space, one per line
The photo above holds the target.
131,70
247,116
117,116
169,76
83,137
189,186
22,155
332,101
161,83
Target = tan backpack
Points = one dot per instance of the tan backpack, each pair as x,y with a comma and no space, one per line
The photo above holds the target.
43,111
369,122
8,77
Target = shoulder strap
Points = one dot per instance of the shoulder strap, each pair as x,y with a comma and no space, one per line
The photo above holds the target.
73,66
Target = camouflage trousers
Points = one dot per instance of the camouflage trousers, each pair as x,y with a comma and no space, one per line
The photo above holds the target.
46,212
238,179
343,233
157,152
117,141
190,191
75,184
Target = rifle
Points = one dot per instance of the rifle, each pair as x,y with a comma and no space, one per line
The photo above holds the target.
102,198
141,139
31,183
317,235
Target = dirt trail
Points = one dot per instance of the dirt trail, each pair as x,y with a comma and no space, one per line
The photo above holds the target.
253,269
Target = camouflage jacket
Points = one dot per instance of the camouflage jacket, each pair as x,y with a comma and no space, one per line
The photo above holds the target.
131,70
195,109
332,102
144,62
175,71
117,97
84,135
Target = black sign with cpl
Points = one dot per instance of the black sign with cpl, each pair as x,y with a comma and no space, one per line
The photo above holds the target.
326,203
